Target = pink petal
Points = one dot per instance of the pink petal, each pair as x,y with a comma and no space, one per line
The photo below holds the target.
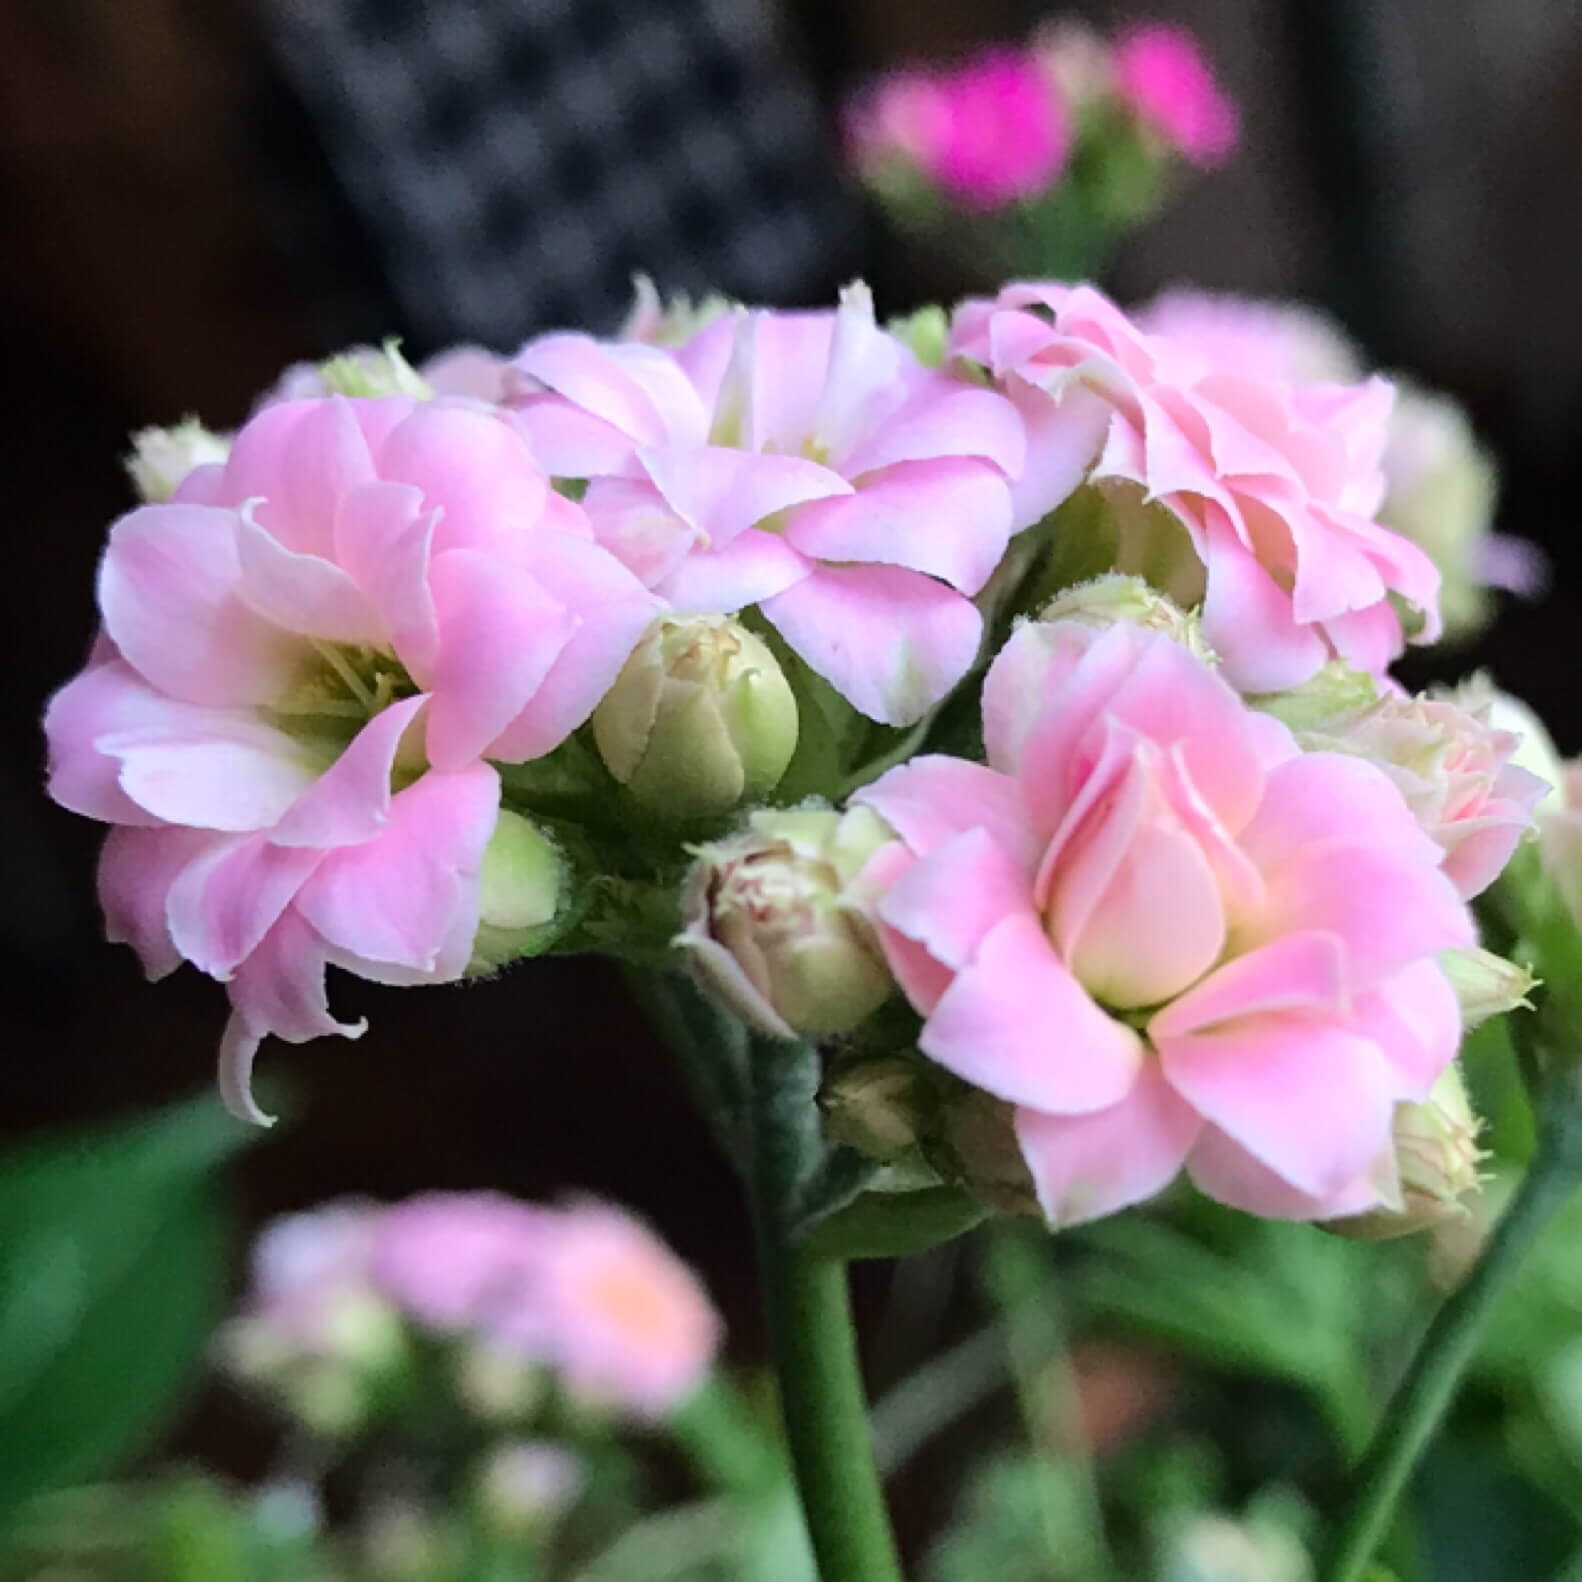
475,469
301,593
721,492
500,632
350,801
572,443
1386,906
136,870
1032,665
1222,1169
1368,639
632,520
944,418
1087,1166
613,610
1415,1018
298,459
384,539
932,798
891,642
949,900
949,517
637,390
410,895
169,594
1063,438
1310,1099
105,697
223,904
1017,1024
1247,621
754,566
1299,972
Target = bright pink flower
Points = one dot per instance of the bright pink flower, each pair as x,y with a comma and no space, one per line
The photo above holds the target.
1168,937
903,117
803,462
1160,73
630,1326
469,1262
308,654
1274,485
1007,135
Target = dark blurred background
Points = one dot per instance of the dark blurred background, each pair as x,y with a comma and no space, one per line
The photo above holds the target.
194,193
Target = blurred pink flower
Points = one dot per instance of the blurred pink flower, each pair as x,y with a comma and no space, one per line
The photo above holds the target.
307,655
1007,135
1275,486
1160,73
803,462
901,116
630,1327
1288,342
469,1262
1167,937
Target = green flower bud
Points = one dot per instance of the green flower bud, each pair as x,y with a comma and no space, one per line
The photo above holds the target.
925,331
1334,690
519,893
775,922
700,719
1437,1158
975,1145
1117,597
162,457
366,371
876,1107
1486,985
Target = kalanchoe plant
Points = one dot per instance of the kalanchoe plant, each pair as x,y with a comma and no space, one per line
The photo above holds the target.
976,739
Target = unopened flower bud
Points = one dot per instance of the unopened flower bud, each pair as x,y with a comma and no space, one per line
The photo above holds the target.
1486,985
373,371
162,457
1436,1156
700,719
1332,691
775,923
525,1485
925,332
673,322
519,892
975,1145
498,1385
1117,597
875,1106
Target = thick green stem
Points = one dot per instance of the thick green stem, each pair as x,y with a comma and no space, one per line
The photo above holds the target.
826,1418
812,1338
1423,1396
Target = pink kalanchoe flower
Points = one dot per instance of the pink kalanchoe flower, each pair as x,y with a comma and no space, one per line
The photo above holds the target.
630,1327
1007,135
902,117
1285,341
469,1262
307,656
803,462
1168,937
1274,485
1160,74
1454,769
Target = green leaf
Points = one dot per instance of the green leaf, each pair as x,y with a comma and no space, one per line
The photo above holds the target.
894,1224
111,1277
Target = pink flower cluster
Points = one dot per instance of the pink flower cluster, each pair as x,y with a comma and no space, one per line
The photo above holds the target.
308,656
805,463
1167,936
999,127
584,1291
988,132
1266,491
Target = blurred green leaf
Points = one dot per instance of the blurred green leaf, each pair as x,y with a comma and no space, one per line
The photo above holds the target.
894,1224
111,1277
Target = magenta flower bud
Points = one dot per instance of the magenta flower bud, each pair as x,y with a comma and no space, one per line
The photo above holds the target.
775,922
700,719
